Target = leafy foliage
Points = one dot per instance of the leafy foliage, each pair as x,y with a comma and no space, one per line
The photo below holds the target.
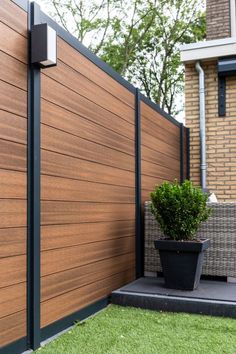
139,39
179,209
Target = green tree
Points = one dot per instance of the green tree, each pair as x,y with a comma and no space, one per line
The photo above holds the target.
139,39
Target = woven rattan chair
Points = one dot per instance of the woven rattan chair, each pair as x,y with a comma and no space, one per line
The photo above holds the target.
220,228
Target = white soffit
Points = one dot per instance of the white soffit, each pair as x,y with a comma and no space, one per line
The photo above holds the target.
208,50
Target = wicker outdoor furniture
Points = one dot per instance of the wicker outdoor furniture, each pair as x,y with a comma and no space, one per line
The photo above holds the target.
220,228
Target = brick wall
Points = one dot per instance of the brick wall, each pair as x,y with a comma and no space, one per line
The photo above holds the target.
218,19
220,132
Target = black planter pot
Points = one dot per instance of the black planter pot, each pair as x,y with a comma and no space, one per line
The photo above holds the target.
182,262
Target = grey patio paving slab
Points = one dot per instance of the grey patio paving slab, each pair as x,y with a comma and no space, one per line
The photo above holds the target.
215,298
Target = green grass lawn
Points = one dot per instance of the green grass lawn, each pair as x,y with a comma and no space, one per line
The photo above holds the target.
118,330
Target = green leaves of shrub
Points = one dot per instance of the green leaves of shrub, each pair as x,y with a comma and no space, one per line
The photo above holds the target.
179,209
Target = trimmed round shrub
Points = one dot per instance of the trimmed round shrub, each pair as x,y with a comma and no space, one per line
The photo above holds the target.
179,209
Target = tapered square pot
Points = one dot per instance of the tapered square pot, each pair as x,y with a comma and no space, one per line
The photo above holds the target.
182,262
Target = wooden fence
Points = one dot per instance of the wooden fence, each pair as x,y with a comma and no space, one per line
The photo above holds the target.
100,150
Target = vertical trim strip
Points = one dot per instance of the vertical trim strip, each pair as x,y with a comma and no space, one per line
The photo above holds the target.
181,153
138,190
188,153
33,247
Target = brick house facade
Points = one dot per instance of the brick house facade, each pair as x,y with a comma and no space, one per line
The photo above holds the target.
218,19
220,131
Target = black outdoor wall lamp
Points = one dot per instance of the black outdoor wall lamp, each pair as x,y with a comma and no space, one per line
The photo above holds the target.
43,46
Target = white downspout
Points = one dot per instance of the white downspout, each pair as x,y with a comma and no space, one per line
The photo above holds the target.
202,115
233,18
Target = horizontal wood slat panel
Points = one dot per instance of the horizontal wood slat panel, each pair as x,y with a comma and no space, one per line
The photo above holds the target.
18,105
12,327
13,213
159,145
12,185
83,65
12,127
13,16
12,242
56,188
13,43
59,236
88,215
62,119
56,213
57,284
151,169
57,260
64,143
158,119
146,195
59,165
86,88
14,270
12,156
149,183
13,177
64,97
159,158
156,128
13,71
61,306
12,299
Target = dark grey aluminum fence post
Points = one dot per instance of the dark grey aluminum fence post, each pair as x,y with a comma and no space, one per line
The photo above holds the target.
33,248
138,190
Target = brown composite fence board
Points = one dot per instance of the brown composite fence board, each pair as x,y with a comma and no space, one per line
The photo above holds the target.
81,120
89,179
154,143
13,16
157,128
13,43
70,302
70,235
12,242
120,127
13,71
56,164
80,63
65,189
13,327
160,158
57,213
163,172
79,84
60,118
59,283
12,128
13,213
60,259
12,155
159,119
57,93
74,146
160,154
149,180
13,177
13,270
15,294
13,99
